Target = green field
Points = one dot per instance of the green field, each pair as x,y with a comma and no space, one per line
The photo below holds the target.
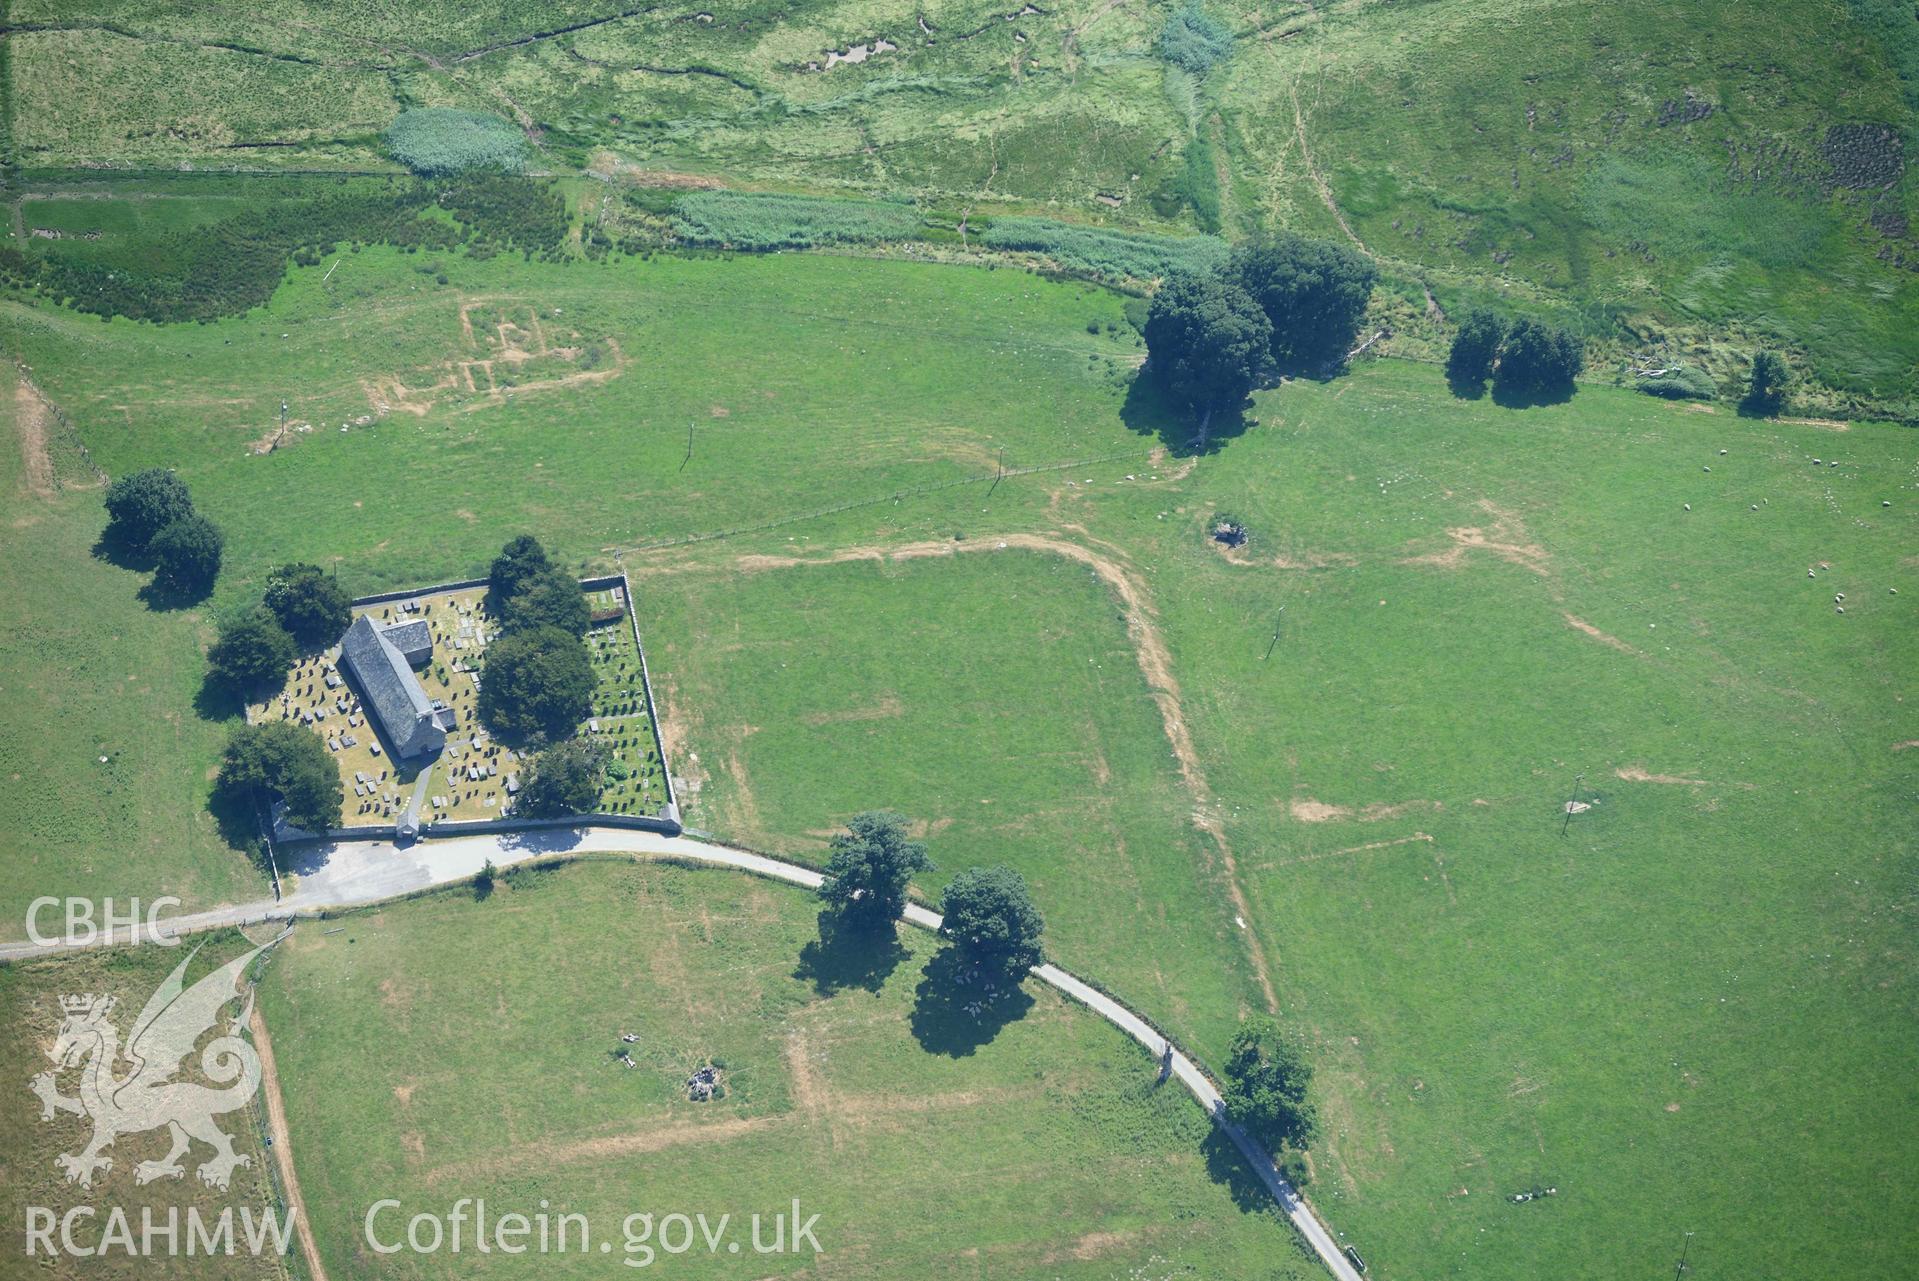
1696,180
431,1057
1475,606
996,699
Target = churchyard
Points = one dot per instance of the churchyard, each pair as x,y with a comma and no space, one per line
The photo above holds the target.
475,776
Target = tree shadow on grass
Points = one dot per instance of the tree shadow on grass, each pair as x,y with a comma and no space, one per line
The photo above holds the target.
846,956
959,1008
1466,388
164,600
117,552
217,700
1147,411
1227,1166
238,822
1531,397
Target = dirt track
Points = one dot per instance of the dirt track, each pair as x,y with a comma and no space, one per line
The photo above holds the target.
283,1145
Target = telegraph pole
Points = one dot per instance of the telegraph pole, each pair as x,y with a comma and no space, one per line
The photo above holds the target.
283,425
1275,641
1684,1252
1001,474
1567,825
689,445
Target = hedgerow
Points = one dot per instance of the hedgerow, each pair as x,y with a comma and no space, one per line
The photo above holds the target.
1115,255
745,220
439,141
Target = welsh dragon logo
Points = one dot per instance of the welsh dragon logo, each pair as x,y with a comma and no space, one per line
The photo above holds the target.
147,1096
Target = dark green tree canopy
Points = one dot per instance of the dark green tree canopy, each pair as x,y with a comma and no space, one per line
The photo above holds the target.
279,759
310,603
1766,394
565,779
253,651
1314,294
869,868
548,599
1207,342
537,685
520,560
1266,1086
186,556
141,505
1537,361
991,918
1475,349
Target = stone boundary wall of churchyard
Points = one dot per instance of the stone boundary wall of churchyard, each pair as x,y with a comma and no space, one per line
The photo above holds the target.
493,826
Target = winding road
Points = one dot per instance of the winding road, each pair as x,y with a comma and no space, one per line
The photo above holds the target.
344,874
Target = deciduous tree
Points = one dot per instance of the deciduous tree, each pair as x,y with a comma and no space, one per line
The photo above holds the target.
253,651
310,603
869,867
537,685
1207,342
141,505
565,779
279,759
186,556
1314,294
1266,1086
991,919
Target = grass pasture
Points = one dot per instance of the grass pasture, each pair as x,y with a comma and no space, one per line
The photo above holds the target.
992,696
1693,1007
1044,1152
1491,1004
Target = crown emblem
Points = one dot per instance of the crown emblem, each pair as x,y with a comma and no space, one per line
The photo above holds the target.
81,1003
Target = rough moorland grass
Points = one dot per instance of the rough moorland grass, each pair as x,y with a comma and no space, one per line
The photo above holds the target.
1045,1151
30,1005
748,220
1115,255
995,698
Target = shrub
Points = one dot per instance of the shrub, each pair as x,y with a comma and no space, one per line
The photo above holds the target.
1194,40
1115,255
753,221
439,141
